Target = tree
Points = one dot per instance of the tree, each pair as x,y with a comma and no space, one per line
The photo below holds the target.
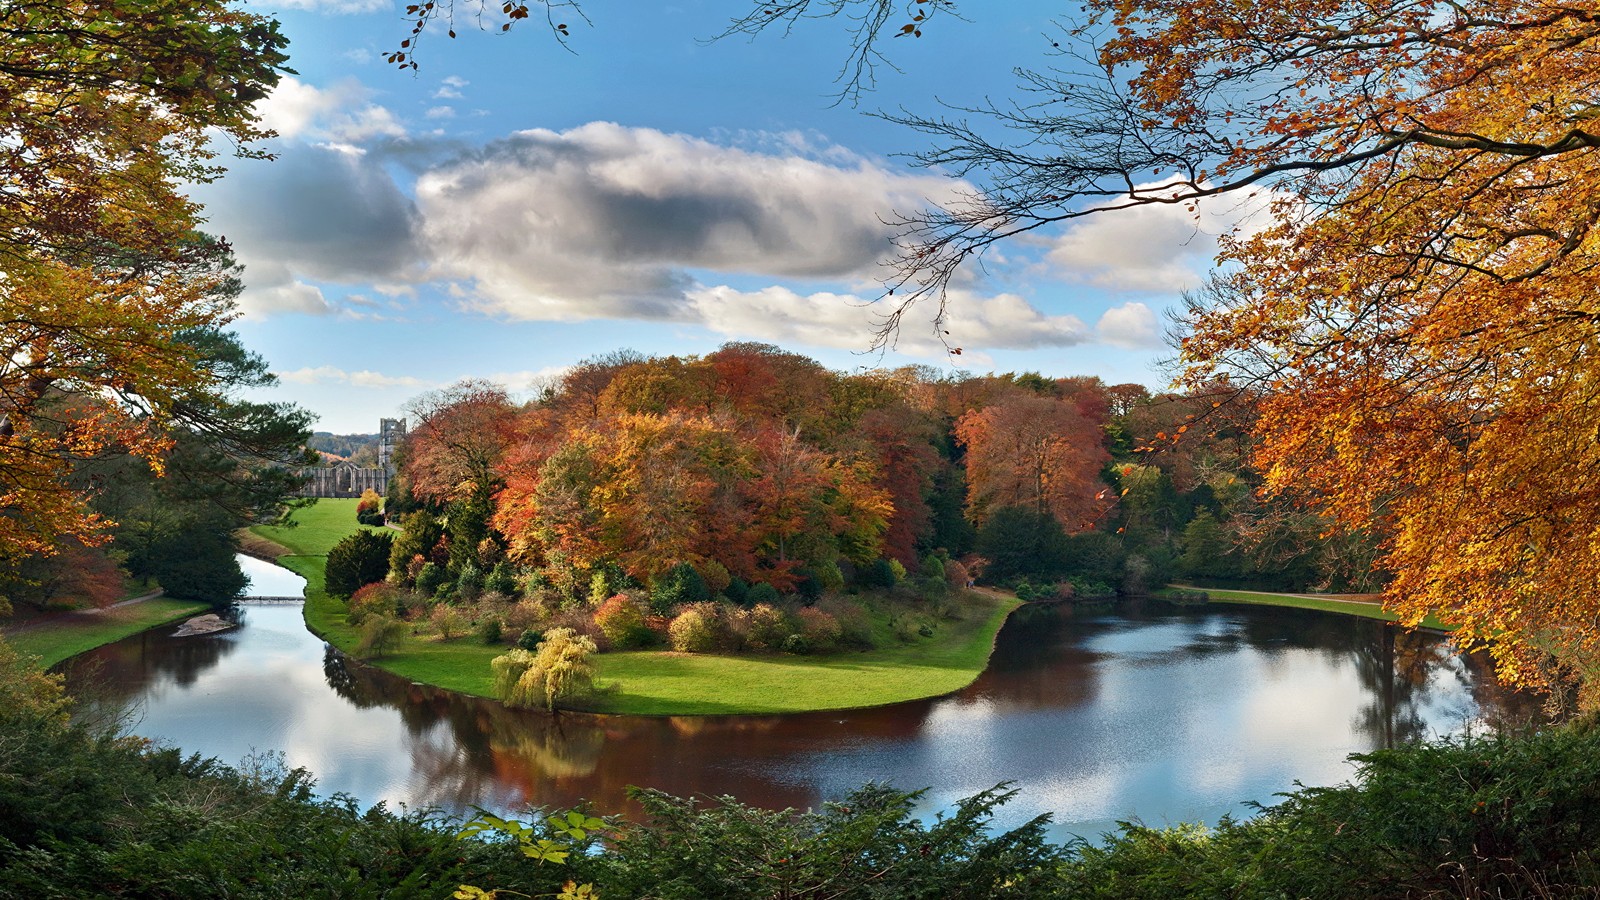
1041,452
109,106
358,560
558,670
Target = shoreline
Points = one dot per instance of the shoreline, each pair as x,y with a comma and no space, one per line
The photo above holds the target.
733,685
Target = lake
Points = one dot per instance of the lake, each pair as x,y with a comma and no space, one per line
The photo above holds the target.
1154,712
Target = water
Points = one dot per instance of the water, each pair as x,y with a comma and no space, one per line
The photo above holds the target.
1158,713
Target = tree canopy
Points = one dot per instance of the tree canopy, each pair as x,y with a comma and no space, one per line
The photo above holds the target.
109,295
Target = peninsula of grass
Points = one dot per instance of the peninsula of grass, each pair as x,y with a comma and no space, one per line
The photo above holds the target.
1367,609
661,683
68,635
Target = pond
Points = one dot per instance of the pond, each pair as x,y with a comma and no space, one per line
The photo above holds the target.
1157,712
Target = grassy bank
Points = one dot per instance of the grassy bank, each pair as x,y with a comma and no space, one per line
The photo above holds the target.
67,636
1367,609
659,683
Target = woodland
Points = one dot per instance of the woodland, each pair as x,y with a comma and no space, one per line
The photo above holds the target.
1405,356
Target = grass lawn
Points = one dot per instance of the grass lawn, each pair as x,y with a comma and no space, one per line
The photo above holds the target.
659,683
73,634
1367,609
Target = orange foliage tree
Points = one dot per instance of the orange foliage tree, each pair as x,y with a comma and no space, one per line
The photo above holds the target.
1038,452
1417,319
106,108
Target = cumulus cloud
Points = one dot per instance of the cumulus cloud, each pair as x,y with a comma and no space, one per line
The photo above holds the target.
606,221
315,214
342,113
362,379
1131,325
1158,247
781,315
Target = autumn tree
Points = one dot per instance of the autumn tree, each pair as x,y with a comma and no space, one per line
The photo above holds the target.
107,108
1038,452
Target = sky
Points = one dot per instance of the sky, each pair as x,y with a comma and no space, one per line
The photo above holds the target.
514,206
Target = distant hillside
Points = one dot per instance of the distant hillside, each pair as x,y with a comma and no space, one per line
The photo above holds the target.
361,449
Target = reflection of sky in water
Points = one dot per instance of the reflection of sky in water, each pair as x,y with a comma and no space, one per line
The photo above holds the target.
1169,717
1177,732
268,580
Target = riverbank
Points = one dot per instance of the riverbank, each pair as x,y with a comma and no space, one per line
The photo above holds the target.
661,683
1367,606
67,635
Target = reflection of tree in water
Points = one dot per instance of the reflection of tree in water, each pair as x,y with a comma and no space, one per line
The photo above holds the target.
117,672
490,748
1394,665
1035,665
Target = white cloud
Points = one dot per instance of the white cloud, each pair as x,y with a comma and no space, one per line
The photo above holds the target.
341,113
1157,247
606,221
337,6
440,112
1131,325
267,296
362,379
973,323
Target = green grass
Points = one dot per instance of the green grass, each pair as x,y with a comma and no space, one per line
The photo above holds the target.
662,684
70,635
1364,609
316,528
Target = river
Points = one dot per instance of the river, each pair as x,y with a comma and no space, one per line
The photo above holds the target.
1153,712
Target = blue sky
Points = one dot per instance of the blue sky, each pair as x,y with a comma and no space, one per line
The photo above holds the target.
512,207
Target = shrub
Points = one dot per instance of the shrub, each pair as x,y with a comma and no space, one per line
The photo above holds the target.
855,628
679,584
360,559
559,669
380,636
448,621
524,615
530,638
761,593
368,508
819,630
763,627
699,628
878,575
621,620
956,575
808,585
737,591
429,578
502,580
378,598
716,576
491,631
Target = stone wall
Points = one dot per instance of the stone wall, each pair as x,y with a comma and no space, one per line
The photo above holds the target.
344,481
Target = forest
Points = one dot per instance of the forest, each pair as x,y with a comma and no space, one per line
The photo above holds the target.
757,466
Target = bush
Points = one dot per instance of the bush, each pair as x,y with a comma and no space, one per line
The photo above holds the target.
502,580
763,627
738,592
429,578
491,631
699,628
855,628
529,639
448,621
558,670
817,629
380,636
761,593
369,508
621,620
379,598
680,584
878,575
358,560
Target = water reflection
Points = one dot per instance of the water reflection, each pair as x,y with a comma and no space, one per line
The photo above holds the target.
1163,713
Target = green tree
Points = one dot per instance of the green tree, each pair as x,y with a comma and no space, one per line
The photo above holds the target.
559,670
358,560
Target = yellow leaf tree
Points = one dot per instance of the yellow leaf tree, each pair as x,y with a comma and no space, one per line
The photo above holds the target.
106,108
